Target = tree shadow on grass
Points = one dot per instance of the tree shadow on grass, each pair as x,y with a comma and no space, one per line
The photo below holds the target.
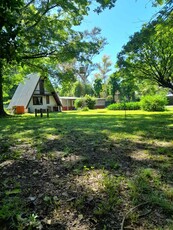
75,175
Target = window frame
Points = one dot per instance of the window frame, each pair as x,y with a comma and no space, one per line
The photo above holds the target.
47,99
37,100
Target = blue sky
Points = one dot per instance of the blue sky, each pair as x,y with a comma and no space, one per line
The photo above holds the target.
119,23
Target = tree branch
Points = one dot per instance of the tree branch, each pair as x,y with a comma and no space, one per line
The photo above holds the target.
131,210
40,17
39,55
27,4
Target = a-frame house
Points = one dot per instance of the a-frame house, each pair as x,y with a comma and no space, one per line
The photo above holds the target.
35,92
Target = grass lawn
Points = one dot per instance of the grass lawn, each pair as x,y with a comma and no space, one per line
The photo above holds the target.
87,170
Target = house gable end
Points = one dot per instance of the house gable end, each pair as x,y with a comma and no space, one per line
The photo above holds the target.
24,91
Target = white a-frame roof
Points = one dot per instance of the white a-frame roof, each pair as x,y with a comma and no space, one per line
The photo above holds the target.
24,91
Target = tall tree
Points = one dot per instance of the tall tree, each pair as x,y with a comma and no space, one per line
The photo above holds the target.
114,84
127,89
149,54
82,67
104,68
85,65
78,89
32,29
97,87
103,71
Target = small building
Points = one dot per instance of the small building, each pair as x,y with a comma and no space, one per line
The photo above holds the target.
35,92
68,103
100,103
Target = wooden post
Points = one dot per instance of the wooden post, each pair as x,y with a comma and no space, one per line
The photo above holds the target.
35,112
125,116
47,112
41,113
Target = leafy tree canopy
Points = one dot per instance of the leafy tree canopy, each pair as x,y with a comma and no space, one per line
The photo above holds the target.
114,84
97,87
82,67
33,29
104,68
148,54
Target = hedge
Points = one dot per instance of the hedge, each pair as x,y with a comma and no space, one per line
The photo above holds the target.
123,106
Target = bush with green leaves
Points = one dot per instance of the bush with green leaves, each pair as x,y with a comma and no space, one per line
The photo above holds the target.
154,102
125,105
85,108
90,101
79,103
109,98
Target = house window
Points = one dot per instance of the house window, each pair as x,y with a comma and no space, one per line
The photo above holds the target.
37,100
47,99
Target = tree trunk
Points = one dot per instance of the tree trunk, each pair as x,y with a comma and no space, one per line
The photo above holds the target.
2,111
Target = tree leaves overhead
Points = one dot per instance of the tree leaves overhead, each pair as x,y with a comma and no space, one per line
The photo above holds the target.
148,53
33,29
97,86
161,2
167,8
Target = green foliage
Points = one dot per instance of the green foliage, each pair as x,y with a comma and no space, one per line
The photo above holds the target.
143,184
10,207
154,102
112,188
65,89
98,171
114,84
145,187
104,68
161,2
85,108
97,86
128,88
79,103
88,89
90,101
30,222
31,31
148,87
78,89
109,98
149,52
123,106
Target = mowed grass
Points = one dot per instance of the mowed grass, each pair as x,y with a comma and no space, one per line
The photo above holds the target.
98,169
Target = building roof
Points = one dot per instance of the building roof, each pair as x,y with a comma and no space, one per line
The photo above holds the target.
70,98
25,91
73,98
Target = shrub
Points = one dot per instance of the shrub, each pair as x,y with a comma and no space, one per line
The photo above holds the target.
123,106
90,101
109,98
79,103
87,101
85,108
154,103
